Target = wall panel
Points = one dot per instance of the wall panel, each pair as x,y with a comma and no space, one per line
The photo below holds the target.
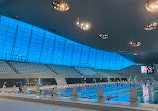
20,41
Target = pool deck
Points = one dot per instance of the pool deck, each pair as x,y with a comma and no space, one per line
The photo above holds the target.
82,105
16,105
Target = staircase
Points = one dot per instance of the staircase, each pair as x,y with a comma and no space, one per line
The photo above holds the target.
77,70
51,69
14,69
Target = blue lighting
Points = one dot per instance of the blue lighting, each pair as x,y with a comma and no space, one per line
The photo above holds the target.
34,44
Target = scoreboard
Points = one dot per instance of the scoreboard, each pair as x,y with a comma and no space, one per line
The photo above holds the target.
147,69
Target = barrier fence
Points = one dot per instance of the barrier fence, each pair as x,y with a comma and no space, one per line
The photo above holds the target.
82,95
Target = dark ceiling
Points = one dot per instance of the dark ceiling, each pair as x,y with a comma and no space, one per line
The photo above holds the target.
123,20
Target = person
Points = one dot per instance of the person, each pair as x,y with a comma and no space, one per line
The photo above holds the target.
145,84
4,86
20,89
52,92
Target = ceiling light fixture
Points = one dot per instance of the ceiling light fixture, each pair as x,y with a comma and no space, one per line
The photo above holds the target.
52,30
151,26
152,5
135,54
135,44
121,51
60,5
16,17
104,36
83,25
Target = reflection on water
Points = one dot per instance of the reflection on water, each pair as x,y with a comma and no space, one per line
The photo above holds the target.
145,93
149,94
152,96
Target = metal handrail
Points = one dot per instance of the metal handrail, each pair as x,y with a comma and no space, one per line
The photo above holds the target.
136,91
123,90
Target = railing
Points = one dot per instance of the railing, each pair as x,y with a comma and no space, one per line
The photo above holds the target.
90,93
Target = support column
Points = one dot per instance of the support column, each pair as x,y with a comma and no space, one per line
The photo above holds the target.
134,101
100,95
38,92
74,93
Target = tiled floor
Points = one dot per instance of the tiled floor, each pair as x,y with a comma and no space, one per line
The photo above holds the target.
13,105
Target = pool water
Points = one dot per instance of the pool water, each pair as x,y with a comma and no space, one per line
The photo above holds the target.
120,93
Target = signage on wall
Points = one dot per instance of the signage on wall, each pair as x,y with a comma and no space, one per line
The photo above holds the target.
147,69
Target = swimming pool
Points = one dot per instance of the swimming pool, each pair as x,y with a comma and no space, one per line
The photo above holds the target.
117,93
